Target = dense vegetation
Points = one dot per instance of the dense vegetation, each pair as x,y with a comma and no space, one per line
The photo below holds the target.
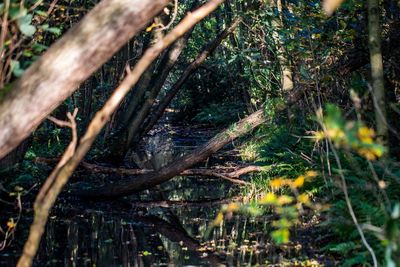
301,95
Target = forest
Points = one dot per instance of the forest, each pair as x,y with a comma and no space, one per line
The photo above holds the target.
199,133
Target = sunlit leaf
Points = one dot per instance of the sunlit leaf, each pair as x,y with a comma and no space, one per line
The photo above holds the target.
16,68
280,236
303,198
299,182
218,220
11,224
150,28
283,200
56,31
25,26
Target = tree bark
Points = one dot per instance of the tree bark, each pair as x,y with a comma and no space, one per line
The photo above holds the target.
145,181
16,155
378,83
71,60
143,99
75,153
209,49
136,97
282,55
155,86
122,139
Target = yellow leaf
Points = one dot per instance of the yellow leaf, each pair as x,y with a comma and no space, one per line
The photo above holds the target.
269,198
148,29
278,182
335,133
366,135
311,174
330,6
282,200
369,154
233,207
218,219
303,198
320,135
11,224
299,182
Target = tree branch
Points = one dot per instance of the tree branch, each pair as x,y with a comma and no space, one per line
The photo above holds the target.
145,181
60,175
67,63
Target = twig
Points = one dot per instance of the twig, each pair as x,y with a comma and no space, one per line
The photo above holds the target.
350,207
72,156
48,194
173,17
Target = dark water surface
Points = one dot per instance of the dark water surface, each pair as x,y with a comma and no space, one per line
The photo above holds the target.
170,226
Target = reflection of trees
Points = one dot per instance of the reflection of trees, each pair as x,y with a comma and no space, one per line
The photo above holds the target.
120,239
176,233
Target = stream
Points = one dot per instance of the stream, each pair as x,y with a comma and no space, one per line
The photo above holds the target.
168,226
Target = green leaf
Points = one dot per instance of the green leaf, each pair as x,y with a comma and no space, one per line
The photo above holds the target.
27,53
16,68
146,253
41,13
44,26
56,31
280,236
27,30
24,24
16,12
27,19
39,47
396,211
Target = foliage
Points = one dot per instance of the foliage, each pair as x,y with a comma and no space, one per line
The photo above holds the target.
220,114
25,28
354,135
326,56
286,207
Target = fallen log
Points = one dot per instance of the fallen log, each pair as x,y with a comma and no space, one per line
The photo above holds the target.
231,176
144,181
75,153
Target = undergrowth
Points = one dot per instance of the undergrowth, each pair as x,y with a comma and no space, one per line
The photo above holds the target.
372,185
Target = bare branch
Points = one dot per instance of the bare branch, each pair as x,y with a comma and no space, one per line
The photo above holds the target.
71,158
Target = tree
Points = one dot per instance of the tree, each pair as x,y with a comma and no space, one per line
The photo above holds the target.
75,152
70,61
378,83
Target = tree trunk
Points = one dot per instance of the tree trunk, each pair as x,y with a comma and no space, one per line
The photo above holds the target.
282,56
71,60
16,155
139,107
151,86
74,154
145,181
209,49
136,97
163,70
378,87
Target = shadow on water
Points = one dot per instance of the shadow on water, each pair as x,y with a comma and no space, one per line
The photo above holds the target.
166,227
159,238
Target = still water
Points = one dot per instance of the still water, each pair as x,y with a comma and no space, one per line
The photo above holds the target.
169,226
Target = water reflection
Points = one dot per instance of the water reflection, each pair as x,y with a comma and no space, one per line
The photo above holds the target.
164,227
161,237
146,233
